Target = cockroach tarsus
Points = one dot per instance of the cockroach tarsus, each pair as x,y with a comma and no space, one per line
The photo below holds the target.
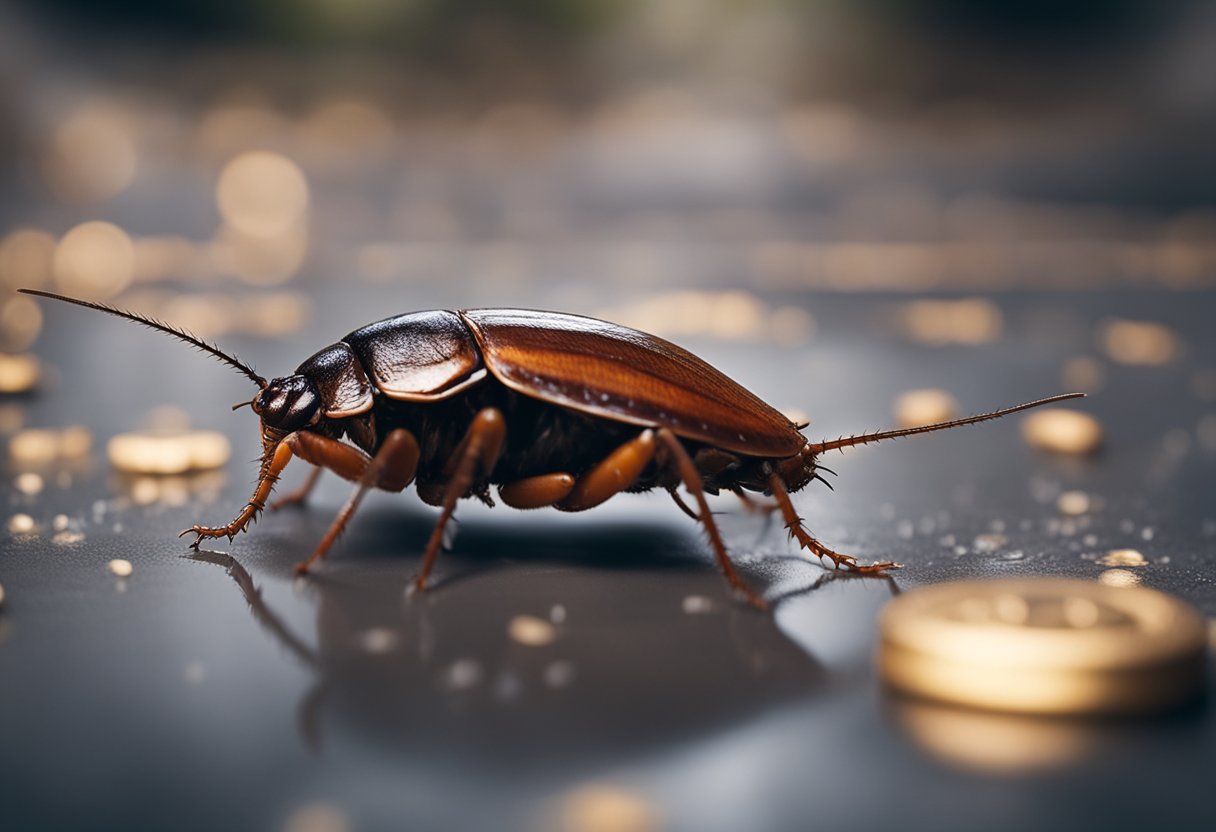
553,409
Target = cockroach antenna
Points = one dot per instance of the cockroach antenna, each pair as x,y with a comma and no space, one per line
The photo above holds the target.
814,449
152,323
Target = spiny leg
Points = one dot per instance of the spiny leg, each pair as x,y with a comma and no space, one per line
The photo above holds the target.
682,464
297,497
272,467
475,458
392,469
794,523
754,506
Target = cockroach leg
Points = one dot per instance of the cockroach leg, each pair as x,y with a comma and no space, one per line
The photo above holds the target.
536,492
754,506
272,468
300,495
684,507
391,469
797,531
681,463
479,452
619,470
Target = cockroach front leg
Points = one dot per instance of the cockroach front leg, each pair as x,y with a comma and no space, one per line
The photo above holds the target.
797,531
271,470
297,497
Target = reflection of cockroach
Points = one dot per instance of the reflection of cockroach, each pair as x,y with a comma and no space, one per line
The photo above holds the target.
556,410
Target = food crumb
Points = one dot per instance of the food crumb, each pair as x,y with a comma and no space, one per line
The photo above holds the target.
532,631
1122,557
1119,578
120,568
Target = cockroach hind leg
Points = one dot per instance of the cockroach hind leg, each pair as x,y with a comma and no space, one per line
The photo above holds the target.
839,561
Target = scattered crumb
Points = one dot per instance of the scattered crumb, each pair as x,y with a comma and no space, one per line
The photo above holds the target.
917,408
1062,431
67,538
1122,557
120,568
1119,578
532,631
1073,502
990,542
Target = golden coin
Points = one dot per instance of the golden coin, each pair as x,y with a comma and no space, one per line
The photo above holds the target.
1044,645
168,451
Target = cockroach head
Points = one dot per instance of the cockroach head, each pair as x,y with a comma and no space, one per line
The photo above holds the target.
288,404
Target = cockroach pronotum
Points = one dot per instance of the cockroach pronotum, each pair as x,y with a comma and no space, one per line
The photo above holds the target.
554,409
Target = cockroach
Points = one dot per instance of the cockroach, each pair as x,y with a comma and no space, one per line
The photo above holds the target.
552,409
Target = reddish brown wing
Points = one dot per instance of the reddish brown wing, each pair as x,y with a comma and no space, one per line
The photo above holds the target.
629,376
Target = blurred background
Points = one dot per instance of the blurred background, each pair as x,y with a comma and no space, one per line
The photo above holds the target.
833,201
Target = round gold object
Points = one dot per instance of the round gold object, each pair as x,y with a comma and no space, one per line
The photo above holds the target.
1044,645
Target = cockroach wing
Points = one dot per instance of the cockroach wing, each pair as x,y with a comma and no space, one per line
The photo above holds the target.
422,356
622,374
339,377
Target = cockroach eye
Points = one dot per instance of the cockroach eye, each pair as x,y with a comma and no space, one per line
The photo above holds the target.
288,404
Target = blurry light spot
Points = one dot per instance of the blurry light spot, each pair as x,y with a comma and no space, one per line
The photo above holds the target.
1206,431
377,641
60,522
917,408
1062,431
941,322
1080,612
1122,557
462,674
20,323
194,673
347,133
262,194
120,568
92,155
1083,375
22,524
25,258
94,260
696,605
168,451
34,446
559,675
1203,385
1143,343
1010,609
532,631
318,817
557,614
29,484
260,261
603,808
19,373
1073,503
